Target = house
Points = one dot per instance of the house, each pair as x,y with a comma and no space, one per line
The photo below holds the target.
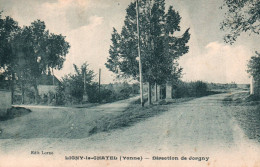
47,84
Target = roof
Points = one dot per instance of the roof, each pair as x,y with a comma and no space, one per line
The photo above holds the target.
48,80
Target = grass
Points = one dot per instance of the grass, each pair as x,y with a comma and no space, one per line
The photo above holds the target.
242,99
14,112
133,114
246,110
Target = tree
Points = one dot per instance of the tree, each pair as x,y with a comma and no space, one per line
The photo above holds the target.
160,48
8,28
56,50
73,84
254,66
37,52
254,70
241,16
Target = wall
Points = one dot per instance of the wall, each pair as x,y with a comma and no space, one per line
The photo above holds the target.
5,101
254,87
45,89
168,91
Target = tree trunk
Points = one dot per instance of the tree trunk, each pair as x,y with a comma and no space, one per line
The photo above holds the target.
36,94
12,88
52,77
155,92
85,82
161,93
22,87
149,94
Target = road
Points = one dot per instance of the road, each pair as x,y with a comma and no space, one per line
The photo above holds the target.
200,128
58,122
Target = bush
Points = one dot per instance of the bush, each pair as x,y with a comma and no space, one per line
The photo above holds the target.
92,92
71,91
14,112
200,88
107,95
190,89
73,88
60,95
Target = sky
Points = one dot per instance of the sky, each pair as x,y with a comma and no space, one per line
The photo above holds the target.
87,25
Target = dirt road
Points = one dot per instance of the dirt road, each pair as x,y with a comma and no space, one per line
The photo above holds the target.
58,122
199,128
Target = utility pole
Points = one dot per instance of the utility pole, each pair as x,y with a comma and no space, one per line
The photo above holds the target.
84,75
139,54
99,79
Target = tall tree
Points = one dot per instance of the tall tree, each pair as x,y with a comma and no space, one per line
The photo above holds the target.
8,28
254,66
254,70
160,48
56,51
38,51
241,16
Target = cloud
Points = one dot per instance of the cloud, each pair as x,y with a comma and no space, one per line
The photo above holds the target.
88,43
73,13
219,63
87,24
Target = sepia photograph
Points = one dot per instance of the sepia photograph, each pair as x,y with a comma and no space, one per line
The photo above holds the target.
129,83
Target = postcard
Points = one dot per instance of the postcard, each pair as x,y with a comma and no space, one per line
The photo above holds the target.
129,83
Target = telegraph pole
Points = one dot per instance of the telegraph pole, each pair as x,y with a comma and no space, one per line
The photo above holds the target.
139,54
99,80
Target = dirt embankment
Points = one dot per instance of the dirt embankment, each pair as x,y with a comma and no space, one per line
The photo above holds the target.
246,110
76,123
15,112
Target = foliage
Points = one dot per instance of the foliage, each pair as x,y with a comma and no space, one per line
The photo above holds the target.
73,87
241,16
86,75
112,92
226,86
60,95
159,47
37,51
8,27
190,89
254,66
92,92
73,84
28,52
